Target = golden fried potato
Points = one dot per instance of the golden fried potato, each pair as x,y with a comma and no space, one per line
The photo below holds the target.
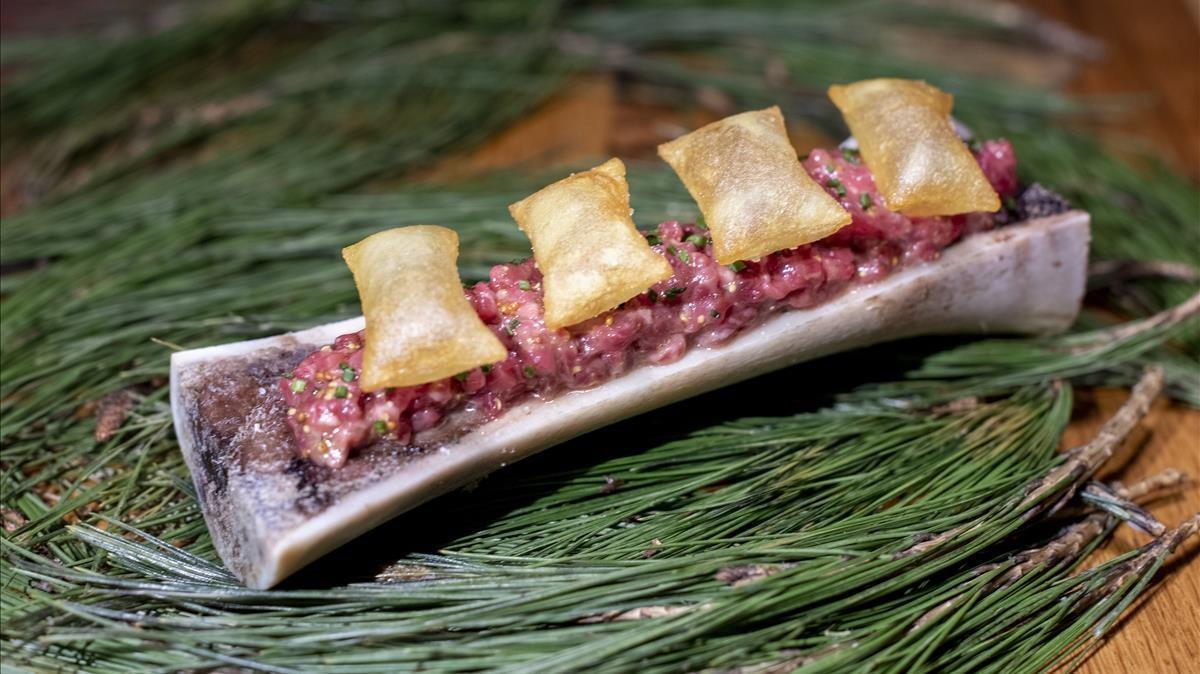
755,195
591,255
420,326
906,138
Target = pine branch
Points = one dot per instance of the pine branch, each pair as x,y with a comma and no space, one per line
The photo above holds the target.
1068,544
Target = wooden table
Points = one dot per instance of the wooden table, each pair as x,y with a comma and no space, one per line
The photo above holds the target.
1152,47
1157,54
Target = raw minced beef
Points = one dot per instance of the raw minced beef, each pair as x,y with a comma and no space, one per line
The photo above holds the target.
703,304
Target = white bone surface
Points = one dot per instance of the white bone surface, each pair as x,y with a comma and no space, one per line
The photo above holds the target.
1024,278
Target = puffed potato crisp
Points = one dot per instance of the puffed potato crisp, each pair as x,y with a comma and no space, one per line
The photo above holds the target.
755,196
906,138
590,253
420,326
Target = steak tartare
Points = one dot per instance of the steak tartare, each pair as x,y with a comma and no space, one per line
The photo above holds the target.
703,304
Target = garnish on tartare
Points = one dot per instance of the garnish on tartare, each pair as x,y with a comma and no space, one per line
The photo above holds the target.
599,298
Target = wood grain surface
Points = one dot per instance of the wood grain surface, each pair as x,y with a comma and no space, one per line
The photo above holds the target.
1152,48
1155,55
1162,634
1152,55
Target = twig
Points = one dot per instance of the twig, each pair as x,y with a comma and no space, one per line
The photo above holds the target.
1154,486
742,574
170,345
1161,546
957,406
1084,461
1066,545
111,413
1164,319
1116,429
1135,569
1111,501
643,613
794,659
1053,34
1108,272
405,573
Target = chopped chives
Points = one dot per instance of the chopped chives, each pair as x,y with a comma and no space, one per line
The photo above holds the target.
681,254
738,266
653,239
837,186
511,327
697,240
298,385
673,292
380,426
864,200
341,392
529,372
523,284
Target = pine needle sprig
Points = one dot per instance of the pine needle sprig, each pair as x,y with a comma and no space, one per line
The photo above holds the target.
478,605
1107,355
